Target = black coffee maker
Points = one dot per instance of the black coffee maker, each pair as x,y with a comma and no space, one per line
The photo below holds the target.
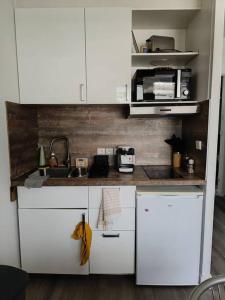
100,167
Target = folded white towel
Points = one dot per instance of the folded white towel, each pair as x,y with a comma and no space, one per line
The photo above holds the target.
110,206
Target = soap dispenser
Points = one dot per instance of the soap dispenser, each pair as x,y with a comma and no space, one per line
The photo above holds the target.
42,161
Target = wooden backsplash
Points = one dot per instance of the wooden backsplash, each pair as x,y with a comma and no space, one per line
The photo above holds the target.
91,126
23,138
194,128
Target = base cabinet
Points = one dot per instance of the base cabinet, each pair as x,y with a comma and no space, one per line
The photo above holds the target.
46,243
47,218
112,252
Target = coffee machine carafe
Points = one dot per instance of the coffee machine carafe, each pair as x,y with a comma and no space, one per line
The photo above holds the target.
125,159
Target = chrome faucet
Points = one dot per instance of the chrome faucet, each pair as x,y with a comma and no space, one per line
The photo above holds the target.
67,161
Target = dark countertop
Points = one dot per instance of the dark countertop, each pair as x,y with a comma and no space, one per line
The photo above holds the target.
138,178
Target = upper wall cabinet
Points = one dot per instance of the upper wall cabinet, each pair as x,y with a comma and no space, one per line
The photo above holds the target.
108,34
51,55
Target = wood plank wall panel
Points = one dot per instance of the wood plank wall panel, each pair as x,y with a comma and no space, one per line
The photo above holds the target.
23,138
91,126
194,128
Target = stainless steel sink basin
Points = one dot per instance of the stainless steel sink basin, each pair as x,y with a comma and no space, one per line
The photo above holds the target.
60,172
63,172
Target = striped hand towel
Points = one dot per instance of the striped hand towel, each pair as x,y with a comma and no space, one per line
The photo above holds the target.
110,206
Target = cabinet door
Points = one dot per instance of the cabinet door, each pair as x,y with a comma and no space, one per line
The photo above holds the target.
123,221
127,195
45,241
168,240
53,197
112,252
108,34
51,55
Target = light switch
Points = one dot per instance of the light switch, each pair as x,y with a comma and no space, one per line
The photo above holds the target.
198,145
109,151
100,151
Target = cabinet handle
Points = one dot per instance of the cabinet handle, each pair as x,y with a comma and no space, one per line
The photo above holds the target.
83,222
110,235
165,109
81,92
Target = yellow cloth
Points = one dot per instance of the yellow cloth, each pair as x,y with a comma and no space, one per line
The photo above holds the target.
86,237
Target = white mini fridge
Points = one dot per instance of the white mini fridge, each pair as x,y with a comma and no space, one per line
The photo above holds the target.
169,224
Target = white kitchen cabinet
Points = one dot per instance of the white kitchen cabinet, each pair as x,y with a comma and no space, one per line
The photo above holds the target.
112,252
124,221
108,40
45,241
127,195
53,197
51,55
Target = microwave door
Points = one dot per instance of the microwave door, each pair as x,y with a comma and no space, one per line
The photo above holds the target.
178,89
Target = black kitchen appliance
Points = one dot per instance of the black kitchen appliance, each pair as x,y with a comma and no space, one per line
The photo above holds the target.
100,167
125,159
161,84
161,172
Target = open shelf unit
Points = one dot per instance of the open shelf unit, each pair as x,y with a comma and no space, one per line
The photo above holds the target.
191,30
162,59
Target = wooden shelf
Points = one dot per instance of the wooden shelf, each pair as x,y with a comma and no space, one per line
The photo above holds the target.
152,103
162,59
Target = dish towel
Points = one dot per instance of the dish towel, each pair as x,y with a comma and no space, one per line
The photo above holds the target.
110,206
34,180
83,232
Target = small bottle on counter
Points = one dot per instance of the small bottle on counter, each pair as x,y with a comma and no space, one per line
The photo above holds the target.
176,159
185,161
42,161
53,162
190,167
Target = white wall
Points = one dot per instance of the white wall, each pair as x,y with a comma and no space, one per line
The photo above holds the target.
9,246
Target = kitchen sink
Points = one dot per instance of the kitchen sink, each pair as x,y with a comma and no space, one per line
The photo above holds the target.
60,172
63,172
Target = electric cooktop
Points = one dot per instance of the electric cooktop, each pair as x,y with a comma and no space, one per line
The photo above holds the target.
161,172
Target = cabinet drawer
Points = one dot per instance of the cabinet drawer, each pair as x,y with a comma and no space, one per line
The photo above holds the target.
112,252
127,195
45,241
123,221
53,197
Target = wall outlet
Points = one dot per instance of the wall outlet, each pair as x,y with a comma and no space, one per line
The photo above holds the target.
100,151
198,145
109,151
